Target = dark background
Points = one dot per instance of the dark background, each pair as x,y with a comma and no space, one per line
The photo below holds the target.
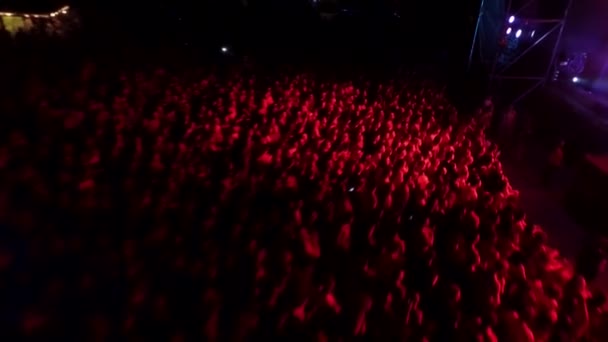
414,30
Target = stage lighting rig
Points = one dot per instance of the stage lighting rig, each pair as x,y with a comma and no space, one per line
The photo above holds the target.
515,37
570,67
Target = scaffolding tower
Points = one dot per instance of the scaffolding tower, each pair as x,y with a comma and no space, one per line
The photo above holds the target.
517,41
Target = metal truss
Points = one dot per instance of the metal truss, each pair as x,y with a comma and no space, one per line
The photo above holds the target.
502,75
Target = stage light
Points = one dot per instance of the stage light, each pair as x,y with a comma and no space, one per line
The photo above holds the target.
518,34
532,34
224,49
511,19
575,79
509,30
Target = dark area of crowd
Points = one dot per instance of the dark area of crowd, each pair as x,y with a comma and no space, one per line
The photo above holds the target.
239,203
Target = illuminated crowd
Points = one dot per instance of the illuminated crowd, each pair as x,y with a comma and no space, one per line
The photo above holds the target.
245,205
53,24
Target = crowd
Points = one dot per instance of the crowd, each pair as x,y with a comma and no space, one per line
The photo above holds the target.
243,205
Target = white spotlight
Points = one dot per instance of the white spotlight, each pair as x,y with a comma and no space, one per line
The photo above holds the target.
575,79
518,34
532,34
511,19
224,49
509,30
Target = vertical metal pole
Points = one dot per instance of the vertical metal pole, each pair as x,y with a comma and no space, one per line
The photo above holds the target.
479,15
558,42
604,70
498,52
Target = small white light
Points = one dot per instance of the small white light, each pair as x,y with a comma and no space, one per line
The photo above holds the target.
532,34
518,34
575,79
224,49
351,189
509,30
511,19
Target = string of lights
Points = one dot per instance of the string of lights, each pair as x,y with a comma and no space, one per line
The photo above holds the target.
62,10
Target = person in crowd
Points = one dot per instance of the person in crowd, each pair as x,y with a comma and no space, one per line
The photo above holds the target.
508,128
554,162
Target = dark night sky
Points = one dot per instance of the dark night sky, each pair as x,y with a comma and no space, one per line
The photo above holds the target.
33,6
443,22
